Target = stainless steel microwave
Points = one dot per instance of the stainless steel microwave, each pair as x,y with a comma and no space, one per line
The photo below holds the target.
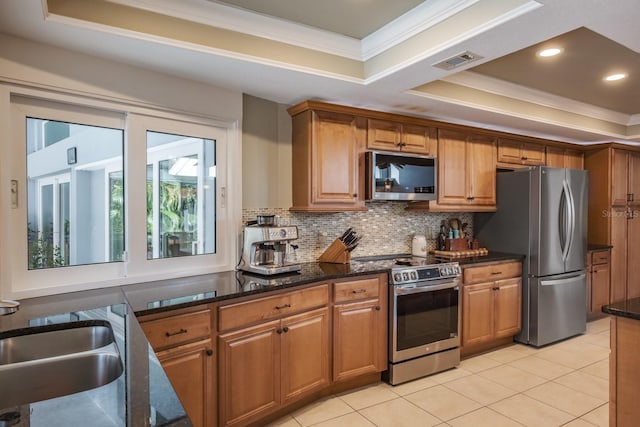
399,176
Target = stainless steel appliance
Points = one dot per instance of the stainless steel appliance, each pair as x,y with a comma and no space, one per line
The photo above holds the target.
399,176
265,249
542,213
424,319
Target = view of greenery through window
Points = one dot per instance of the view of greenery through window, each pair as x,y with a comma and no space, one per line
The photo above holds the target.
181,173
76,194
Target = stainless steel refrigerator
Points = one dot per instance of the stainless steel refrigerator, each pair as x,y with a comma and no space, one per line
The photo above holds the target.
542,214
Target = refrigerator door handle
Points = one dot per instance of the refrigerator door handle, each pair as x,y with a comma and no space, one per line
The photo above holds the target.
562,281
571,219
563,215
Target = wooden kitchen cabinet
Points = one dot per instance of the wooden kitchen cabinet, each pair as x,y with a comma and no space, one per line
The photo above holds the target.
512,151
325,151
266,365
396,136
191,370
359,327
466,171
564,158
614,216
598,281
491,306
183,345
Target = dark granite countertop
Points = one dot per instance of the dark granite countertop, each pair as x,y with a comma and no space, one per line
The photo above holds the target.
598,247
143,392
629,308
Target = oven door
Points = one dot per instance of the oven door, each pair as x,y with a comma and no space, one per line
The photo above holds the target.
424,318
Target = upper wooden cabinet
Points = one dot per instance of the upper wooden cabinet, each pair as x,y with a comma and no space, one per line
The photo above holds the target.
564,158
466,171
325,161
625,189
517,152
395,136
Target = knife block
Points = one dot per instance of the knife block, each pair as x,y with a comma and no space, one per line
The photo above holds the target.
459,244
336,253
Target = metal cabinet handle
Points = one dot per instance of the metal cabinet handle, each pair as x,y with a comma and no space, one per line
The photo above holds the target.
377,308
285,329
495,273
358,291
171,334
280,307
470,197
496,288
524,158
209,352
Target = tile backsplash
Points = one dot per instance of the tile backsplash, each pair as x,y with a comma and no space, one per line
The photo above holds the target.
386,228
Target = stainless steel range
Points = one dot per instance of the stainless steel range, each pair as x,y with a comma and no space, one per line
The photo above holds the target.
424,319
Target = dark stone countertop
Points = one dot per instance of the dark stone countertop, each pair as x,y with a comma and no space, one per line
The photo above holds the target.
629,308
598,247
143,392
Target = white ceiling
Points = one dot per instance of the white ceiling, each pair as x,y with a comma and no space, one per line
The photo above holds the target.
390,68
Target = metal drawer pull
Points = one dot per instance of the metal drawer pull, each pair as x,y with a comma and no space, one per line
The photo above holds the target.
377,308
358,291
280,307
496,288
171,334
285,329
495,273
209,352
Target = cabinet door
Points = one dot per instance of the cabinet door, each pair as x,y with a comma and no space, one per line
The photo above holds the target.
507,307
618,253
510,151
599,287
481,158
248,373
619,174
421,140
305,353
555,157
452,167
190,369
532,154
633,254
634,178
477,313
383,135
359,339
573,159
334,155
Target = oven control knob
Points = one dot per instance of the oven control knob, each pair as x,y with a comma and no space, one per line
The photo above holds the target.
405,276
413,275
397,277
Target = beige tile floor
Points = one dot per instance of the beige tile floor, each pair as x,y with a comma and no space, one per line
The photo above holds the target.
565,384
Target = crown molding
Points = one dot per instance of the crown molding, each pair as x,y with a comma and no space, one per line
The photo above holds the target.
243,21
418,19
511,90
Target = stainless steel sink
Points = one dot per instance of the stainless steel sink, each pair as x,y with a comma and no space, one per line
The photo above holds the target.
47,362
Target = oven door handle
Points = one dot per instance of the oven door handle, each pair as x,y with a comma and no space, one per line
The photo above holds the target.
399,290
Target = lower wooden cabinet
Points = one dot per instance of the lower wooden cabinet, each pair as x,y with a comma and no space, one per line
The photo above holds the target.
269,365
191,370
491,305
359,327
183,344
598,281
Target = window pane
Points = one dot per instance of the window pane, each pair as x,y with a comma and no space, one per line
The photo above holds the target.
75,204
181,174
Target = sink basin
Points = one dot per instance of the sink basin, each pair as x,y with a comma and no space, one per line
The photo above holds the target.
50,341
57,360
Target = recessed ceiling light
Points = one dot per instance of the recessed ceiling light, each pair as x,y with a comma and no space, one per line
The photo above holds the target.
549,52
614,77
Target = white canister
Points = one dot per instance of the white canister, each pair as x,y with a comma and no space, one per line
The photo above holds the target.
419,245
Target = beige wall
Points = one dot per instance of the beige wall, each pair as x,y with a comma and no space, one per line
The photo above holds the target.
266,154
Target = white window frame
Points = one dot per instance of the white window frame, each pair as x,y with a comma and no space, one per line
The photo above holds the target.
55,182
135,121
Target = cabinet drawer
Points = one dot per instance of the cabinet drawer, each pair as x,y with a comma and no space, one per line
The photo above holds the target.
175,330
489,273
356,289
600,257
248,312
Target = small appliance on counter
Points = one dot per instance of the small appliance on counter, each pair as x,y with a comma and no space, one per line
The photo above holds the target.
266,247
